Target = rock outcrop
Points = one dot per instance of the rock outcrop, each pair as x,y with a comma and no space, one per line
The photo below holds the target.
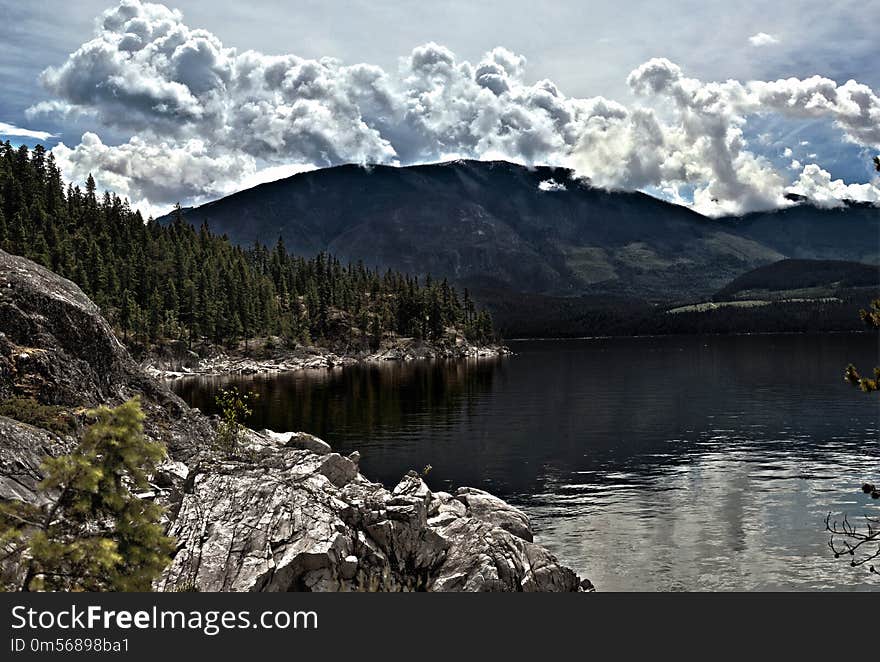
286,513
54,344
292,519
56,348
22,449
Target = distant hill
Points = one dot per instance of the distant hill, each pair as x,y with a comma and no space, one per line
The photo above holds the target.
508,229
850,232
527,315
823,277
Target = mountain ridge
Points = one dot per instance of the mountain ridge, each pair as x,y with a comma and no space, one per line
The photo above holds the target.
537,230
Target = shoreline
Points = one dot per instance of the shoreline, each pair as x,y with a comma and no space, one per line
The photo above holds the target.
223,364
312,358
692,335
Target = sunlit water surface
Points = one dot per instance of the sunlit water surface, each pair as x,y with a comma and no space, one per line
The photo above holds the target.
679,463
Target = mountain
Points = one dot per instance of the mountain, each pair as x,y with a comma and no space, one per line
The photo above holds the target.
505,228
802,278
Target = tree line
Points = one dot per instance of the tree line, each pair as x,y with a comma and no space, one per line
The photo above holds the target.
158,282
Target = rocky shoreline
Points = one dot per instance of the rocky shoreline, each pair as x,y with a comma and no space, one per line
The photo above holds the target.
281,512
298,517
307,358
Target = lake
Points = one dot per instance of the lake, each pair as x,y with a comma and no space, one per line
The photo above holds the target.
658,464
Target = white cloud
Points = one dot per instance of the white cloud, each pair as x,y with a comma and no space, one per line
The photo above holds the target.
707,134
853,106
227,118
551,185
18,132
151,173
704,146
817,185
763,39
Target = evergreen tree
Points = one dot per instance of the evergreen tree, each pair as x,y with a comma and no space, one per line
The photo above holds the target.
128,314
93,533
156,282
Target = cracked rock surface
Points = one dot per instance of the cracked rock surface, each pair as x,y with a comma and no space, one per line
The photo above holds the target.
22,449
290,519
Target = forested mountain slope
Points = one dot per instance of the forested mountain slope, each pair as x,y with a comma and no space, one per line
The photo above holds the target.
505,227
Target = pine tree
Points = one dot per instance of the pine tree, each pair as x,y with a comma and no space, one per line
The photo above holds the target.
128,314
91,199
4,231
155,315
93,533
208,288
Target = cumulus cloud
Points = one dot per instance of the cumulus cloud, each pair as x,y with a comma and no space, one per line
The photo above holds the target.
150,172
704,145
817,185
13,131
853,106
763,39
707,133
206,118
551,186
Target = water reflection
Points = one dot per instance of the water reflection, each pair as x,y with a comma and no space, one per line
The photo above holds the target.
380,407
652,463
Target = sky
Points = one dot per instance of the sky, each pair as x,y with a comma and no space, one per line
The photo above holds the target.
721,106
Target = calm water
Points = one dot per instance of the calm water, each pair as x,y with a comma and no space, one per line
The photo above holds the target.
682,463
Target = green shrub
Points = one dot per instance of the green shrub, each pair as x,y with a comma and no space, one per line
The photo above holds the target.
235,407
92,533
48,417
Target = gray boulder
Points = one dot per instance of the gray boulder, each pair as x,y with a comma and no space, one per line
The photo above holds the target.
301,440
22,450
484,506
56,347
284,523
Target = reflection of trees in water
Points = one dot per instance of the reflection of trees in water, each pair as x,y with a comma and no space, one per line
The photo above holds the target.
375,397
356,399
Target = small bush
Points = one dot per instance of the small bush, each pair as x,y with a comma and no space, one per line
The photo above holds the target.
48,417
235,407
